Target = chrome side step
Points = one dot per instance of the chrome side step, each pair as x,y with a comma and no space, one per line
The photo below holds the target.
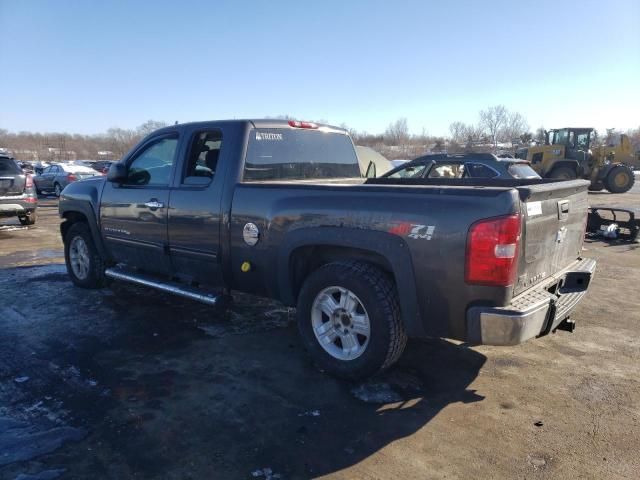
127,275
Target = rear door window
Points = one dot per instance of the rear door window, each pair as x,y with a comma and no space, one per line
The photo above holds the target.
299,154
202,161
447,170
478,170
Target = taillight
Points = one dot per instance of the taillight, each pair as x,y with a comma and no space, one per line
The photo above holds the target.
492,251
71,177
28,182
297,124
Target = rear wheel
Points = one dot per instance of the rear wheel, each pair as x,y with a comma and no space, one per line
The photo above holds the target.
620,179
84,264
563,173
28,219
349,319
57,189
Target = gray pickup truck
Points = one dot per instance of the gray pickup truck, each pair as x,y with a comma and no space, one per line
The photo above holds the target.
277,209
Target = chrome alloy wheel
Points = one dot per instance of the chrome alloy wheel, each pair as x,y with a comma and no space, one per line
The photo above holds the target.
340,323
79,257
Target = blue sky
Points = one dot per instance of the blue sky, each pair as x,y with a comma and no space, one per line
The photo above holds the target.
85,66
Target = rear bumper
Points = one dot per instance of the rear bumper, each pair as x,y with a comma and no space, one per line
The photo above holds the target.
533,313
17,205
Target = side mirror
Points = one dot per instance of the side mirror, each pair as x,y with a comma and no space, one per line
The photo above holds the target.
117,173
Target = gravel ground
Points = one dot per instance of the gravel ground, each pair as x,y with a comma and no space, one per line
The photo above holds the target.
129,383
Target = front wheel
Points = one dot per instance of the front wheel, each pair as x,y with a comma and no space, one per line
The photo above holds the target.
620,179
349,319
84,264
563,173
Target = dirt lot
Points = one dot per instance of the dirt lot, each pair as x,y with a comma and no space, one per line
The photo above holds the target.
129,383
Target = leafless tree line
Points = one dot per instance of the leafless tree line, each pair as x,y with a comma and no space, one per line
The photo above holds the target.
497,129
111,145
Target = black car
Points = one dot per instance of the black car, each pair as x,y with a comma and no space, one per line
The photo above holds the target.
101,166
17,193
467,165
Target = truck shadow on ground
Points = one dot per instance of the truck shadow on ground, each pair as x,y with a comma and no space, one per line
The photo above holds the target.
167,388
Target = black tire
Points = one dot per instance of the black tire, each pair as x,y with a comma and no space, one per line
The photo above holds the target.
563,173
596,188
620,179
95,277
29,219
378,296
57,189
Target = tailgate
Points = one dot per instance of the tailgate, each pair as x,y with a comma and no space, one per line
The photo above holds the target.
553,232
11,185
12,179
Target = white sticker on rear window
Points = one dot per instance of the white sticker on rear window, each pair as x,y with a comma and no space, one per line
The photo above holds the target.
534,208
268,136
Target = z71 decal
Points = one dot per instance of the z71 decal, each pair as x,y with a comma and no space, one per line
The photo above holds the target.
413,230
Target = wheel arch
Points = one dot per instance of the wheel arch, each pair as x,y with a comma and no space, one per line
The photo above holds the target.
306,250
570,164
80,212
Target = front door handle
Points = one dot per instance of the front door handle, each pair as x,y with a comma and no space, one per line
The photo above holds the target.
153,204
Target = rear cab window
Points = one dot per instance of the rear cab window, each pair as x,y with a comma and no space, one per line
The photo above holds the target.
289,154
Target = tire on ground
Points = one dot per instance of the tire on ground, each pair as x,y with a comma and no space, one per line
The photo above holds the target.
28,219
57,189
563,173
620,179
95,277
378,296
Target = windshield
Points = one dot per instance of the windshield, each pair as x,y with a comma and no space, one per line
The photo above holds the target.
560,137
410,171
297,154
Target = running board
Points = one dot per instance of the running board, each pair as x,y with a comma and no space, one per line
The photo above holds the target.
127,275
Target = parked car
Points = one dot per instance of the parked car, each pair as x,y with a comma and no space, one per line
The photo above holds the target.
279,209
102,166
467,165
17,194
56,177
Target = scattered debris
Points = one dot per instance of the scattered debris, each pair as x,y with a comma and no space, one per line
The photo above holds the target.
310,413
21,379
539,423
537,461
44,475
610,231
267,473
372,392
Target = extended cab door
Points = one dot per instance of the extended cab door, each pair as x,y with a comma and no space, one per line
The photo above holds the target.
194,209
133,214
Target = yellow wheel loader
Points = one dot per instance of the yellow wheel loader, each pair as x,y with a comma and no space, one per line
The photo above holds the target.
566,154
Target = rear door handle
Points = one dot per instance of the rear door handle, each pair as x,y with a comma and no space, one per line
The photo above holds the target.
153,204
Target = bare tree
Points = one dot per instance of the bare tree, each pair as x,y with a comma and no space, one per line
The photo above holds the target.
540,136
493,120
150,126
397,133
458,131
515,126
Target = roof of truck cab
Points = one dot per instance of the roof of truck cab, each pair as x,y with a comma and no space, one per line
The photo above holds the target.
256,123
